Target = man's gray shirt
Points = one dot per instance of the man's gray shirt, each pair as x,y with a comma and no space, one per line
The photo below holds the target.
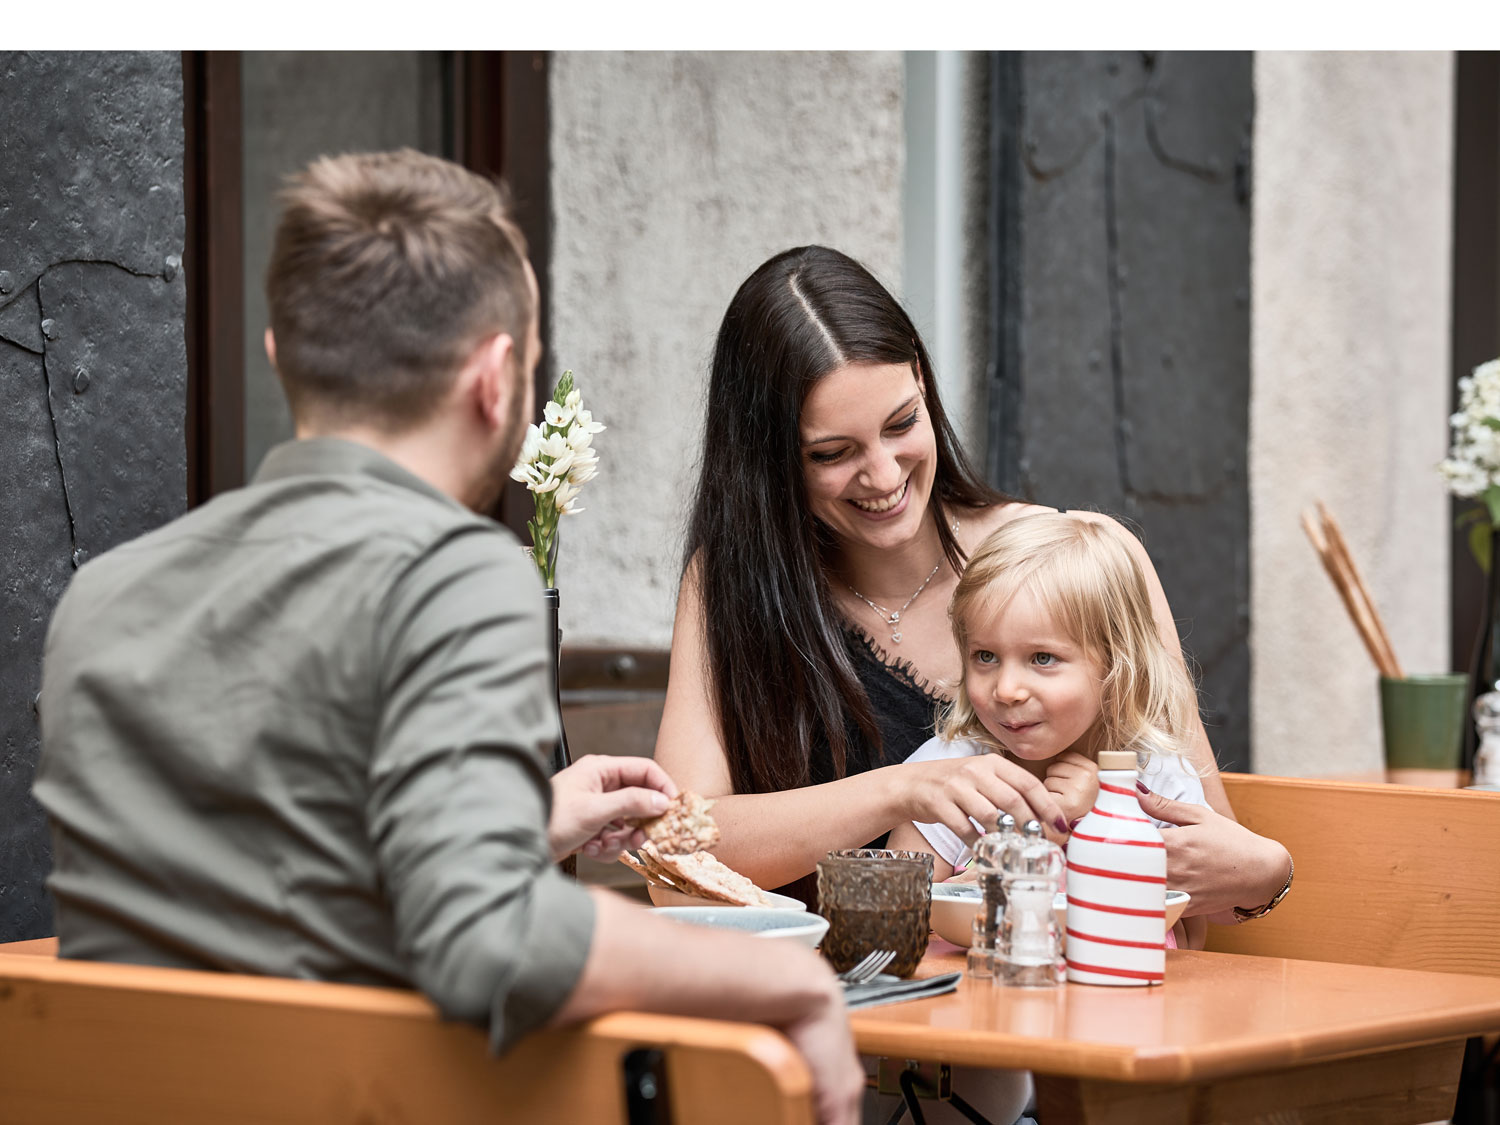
301,731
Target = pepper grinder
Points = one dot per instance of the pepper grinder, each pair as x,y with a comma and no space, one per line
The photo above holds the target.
1028,951
987,854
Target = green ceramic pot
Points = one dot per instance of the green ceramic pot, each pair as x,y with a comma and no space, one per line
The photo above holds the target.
1423,720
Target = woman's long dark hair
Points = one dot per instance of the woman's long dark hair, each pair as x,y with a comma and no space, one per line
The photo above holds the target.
780,670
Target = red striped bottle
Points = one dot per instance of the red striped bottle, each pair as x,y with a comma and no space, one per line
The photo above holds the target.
1117,885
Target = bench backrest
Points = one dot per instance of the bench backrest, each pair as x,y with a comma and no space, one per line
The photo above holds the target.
128,1044
1386,874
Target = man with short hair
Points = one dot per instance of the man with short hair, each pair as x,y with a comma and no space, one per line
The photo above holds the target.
301,730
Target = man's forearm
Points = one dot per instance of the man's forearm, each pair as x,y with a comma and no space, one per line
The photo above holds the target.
645,963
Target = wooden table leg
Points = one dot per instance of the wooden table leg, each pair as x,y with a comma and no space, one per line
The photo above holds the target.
1406,1087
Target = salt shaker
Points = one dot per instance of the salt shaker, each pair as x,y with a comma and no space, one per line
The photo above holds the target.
987,855
1028,949
1117,885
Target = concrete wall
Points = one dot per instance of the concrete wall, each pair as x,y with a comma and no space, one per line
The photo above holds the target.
1349,401
673,177
93,371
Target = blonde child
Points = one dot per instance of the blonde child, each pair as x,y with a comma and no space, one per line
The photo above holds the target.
1061,659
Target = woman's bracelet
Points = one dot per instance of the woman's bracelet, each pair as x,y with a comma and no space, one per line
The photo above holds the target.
1243,915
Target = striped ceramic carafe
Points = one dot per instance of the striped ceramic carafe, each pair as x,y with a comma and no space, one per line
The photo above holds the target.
1117,885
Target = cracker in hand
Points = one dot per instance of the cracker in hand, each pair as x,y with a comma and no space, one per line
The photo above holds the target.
685,827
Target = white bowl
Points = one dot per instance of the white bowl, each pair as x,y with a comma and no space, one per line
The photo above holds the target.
955,904
762,921
666,896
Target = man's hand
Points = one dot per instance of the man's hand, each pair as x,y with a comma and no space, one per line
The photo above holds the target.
1220,863
838,1079
593,799
1074,781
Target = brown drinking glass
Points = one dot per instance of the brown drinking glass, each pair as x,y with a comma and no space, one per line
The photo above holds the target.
875,899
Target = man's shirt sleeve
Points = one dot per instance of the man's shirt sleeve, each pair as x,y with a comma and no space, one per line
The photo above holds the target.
459,797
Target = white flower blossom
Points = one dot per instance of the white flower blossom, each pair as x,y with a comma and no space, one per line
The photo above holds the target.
557,459
1472,468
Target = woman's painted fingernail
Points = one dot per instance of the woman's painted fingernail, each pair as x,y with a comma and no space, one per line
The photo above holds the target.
1062,825
1142,788
1075,824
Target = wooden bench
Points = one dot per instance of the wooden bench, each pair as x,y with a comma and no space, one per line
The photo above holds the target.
130,1044
1386,874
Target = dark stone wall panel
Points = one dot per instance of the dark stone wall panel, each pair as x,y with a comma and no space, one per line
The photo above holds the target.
21,322
91,152
1075,91
34,569
1184,258
1066,438
117,372
1068,432
1132,387
91,227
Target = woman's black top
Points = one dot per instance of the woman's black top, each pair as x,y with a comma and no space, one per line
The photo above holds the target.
904,705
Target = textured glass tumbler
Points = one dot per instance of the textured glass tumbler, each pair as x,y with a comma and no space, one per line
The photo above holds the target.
875,899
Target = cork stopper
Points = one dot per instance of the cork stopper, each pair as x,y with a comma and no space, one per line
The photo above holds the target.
1117,760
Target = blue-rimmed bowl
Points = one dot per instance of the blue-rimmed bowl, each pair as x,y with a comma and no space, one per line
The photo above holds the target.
761,921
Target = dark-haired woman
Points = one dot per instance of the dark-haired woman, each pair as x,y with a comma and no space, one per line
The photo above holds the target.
833,513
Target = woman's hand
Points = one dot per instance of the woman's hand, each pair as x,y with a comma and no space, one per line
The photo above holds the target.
952,790
1074,781
1220,863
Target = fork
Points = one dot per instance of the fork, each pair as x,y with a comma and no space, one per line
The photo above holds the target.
870,968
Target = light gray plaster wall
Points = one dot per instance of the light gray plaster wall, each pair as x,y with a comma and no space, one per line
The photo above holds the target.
673,177
1349,399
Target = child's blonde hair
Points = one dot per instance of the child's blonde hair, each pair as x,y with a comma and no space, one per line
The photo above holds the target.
1085,576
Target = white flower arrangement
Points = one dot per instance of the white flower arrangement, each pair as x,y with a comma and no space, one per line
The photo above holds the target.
1472,468
557,460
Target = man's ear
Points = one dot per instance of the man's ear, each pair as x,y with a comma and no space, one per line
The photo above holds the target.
271,347
494,381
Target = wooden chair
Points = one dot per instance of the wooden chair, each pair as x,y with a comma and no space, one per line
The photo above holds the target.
1386,874
130,1044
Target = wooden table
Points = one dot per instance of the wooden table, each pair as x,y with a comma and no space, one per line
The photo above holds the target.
1227,1037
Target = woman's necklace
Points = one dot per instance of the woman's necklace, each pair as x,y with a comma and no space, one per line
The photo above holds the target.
892,617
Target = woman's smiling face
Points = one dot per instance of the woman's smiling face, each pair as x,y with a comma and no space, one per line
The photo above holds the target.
869,453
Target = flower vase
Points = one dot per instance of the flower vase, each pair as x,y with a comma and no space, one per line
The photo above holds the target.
1480,765
561,758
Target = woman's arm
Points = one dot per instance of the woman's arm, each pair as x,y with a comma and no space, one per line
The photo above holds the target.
776,837
1218,861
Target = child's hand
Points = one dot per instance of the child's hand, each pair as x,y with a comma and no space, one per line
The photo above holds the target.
1074,781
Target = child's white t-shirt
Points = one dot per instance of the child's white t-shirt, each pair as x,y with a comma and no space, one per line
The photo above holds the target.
1166,775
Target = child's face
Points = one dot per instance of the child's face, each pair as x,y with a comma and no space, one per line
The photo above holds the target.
1035,690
